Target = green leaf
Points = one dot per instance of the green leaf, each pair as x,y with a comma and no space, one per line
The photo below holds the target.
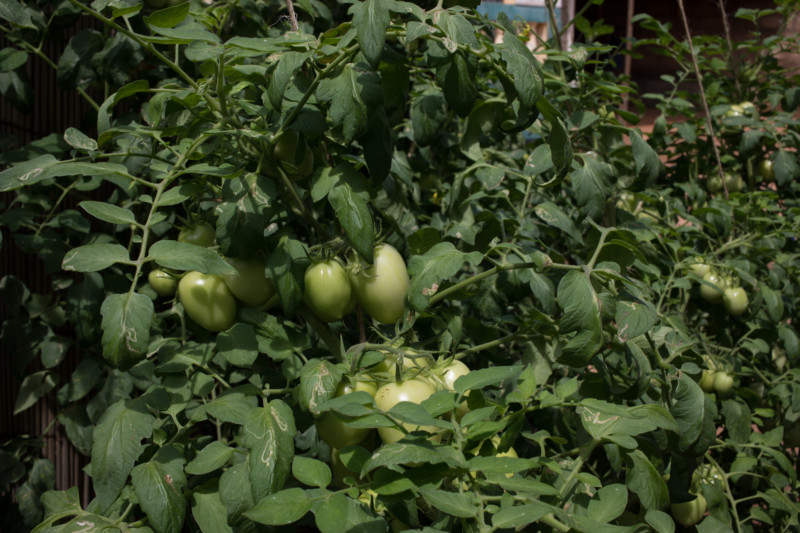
427,271
318,381
233,407
773,302
351,96
15,13
520,515
785,166
591,183
288,64
234,490
660,521
634,317
269,435
94,257
557,139
524,70
608,503
339,513
648,165
428,114
168,17
485,377
208,509
452,503
287,266
312,472
349,198
687,410
33,387
457,80
185,257
109,213
116,445
126,328
213,456
646,482
411,452
377,143
239,345
77,139
371,19
25,172
75,63
552,215
104,116
281,508
578,300
158,485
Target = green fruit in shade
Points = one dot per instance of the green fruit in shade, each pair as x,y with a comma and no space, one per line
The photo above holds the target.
250,283
689,513
723,383
207,300
294,156
699,268
735,299
713,288
707,381
766,171
327,290
381,287
162,282
200,234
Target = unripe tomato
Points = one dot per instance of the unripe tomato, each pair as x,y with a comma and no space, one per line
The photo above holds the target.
390,394
735,110
699,268
201,235
207,300
735,300
381,288
713,288
294,156
162,282
333,430
714,184
689,513
450,374
707,381
734,182
766,170
250,283
748,108
723,383
327,290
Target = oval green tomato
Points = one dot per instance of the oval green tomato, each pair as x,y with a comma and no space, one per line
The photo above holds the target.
723,383
450,374
699,268
327,290
766,170
162,282
250,284
381,288
712,289
707,381
207,300
735,299
333,430
201,235
689,513
390,394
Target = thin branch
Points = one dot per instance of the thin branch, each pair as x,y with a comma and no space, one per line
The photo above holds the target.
292,16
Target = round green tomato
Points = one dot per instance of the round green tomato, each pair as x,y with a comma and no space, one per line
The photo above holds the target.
294,156
707,381
748,108
201,235
346,387
452,372
766,170
735,299
250,283
327,290
723,383
207,300
381,288
714,184
712,289
162,282
333,429
699,268
734,182
390,394
689,513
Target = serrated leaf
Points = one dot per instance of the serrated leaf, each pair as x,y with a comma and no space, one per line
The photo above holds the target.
785,166
646,482
371,20
158,485
185,257
577,298
239,345
351,96
116,445
687,410
427,271
210,458
646,159
457,80
558,140
590,181
94,257
269,435
126,328
168,17
281,508
318,381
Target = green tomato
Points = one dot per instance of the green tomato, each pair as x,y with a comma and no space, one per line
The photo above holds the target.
714,184
390,394
735,299
452,372
736,110
162,282
707,381
333,430
381,288
723,383
712,289
201,235
748,108
734,182
689,513
699,268
766,170
327,290
250,283
294,156
207,300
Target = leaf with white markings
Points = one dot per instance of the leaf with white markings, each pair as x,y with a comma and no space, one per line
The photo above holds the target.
269,434
159,485
126,328
94,257
427,271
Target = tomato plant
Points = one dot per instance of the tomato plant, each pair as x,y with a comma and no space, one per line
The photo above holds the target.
199,234
713,287
162,282
249,284
327,290
390,394
736,300
207,300
333,430
381,287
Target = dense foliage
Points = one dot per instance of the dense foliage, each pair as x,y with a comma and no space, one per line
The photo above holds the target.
383,271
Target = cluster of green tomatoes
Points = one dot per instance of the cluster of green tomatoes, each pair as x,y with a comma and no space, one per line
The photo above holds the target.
715,288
